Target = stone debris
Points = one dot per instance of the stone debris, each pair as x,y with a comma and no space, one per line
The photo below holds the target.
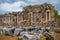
27,33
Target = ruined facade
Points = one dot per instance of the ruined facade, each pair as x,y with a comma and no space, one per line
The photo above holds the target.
30,16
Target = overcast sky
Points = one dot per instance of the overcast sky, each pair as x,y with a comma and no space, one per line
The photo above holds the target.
17,5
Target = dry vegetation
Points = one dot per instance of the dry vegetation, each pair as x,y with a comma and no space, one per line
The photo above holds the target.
43,38
57,36
3,37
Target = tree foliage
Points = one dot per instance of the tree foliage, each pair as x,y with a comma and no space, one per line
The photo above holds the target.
56,14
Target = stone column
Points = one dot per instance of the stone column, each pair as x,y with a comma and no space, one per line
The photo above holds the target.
31,18
10,20
49,16
41,17
46,18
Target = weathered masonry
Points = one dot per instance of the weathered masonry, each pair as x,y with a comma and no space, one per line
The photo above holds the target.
31,16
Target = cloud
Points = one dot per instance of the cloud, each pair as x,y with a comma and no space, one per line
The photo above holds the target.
59,12
54,2
16,6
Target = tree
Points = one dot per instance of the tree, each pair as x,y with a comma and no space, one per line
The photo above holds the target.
56,14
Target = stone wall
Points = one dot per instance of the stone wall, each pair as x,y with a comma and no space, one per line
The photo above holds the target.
30,16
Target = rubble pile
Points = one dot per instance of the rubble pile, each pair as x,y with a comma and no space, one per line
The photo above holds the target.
27,33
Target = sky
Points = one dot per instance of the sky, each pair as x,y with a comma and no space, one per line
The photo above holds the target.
17,5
